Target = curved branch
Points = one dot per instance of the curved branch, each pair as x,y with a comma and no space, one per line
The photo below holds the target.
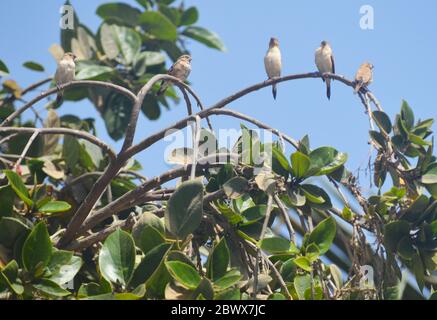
26,90
144,144
140,195
54,90
65,131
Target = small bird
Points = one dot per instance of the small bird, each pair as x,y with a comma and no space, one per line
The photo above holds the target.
180,69
65,72
325,64
272,62
364,76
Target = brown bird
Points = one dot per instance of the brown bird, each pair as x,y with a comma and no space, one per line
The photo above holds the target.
364,76
325,64
180,69
65,72
272,62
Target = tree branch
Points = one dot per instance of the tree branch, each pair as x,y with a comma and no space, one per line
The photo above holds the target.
65,131
55,90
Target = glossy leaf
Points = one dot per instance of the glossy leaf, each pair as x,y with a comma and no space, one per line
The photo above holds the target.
184,273
205,36
323,234
218,260
235,187
184,209
300,164
18,186
51,288
117,258
158,25
54,207
120,12
33,66
37,249
189,17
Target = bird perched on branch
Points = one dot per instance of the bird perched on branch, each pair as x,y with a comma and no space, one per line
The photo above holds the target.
325,64
180,69
364,76
65,72
272,62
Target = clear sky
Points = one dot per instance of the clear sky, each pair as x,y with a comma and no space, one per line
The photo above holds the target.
402,47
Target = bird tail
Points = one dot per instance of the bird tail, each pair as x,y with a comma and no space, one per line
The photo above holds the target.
358,86
328,88
59,98
274,91
164,86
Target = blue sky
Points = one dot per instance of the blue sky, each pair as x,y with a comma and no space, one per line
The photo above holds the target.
402,47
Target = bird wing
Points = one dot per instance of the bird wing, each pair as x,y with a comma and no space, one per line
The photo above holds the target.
333,63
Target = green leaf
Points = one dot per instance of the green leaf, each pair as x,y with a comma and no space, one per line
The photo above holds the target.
71,151
228,294
189,17
11,229
158,25
184,209
323,234
116,114
280,163
419,271
148,232
254,213
235,187
4,71
405,248
303,263
407,115
37,249
296,196
94,72
120,12
18,186
276,296
416,209
218,260
63,266
120,42
146,59
183,273
382,121
394,232
7,196
430,177
117,258
326,160
301,284
231,278
317,196
150,264
275,244
33,66
300,164
9,278
208,38
55,206
336,274
51,288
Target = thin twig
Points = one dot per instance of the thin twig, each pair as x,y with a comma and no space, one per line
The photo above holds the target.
26,149
66,131
286,218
